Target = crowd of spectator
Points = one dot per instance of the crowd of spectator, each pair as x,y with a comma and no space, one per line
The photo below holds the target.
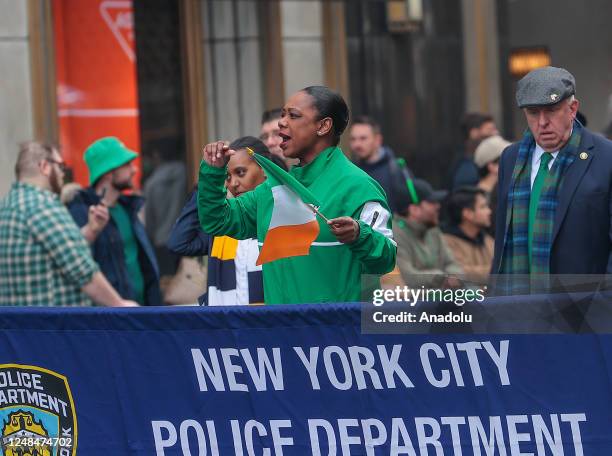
92,245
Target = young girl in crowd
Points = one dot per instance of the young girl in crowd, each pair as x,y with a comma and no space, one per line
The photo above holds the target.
233,277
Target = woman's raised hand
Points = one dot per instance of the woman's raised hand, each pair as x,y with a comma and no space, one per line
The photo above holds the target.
217,153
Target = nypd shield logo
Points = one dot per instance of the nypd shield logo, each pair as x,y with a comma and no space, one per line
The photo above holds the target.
37,415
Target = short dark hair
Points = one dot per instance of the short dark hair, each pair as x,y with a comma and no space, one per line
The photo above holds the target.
251,142
473,120
367,120
330,104
257,146
270,115
462,198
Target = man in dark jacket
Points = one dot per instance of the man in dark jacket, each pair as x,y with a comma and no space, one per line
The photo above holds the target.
475,127
554,205
119,243
375,159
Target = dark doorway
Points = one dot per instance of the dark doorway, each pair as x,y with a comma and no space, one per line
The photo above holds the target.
162,121
411,82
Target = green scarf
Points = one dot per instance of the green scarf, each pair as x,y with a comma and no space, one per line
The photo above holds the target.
515,257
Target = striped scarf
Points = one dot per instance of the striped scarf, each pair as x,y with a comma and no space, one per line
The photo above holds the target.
515,257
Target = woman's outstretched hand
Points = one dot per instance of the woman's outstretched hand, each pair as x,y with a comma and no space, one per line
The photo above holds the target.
217,153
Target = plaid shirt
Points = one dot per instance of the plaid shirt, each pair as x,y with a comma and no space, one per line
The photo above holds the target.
44,259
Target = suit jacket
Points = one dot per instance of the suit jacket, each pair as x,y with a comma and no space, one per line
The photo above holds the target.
582,232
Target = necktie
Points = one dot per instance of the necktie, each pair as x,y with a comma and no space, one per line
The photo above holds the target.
534,199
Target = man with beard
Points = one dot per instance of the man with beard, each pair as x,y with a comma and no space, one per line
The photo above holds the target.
121,246
44,260
423,257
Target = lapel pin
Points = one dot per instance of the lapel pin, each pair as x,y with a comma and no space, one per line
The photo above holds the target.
584,156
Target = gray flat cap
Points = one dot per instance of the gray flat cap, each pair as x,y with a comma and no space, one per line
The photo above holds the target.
545,86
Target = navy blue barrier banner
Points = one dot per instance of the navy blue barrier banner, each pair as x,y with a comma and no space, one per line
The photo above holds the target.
292,380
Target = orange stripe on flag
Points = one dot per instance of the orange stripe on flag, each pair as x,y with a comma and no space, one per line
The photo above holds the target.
287,241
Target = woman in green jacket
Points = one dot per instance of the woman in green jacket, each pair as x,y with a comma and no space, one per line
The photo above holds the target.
356,241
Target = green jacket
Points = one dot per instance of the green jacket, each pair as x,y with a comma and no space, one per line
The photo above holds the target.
332,272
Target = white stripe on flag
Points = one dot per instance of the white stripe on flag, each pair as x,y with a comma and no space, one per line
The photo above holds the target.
289,209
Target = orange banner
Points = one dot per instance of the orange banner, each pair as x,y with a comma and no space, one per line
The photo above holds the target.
97,88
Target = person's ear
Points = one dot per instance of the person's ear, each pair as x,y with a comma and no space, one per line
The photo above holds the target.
413,210
325,126
574,105
104,180
44,167
467,214
379,139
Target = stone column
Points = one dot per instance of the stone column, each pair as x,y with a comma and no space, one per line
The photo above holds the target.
302,35
481,58
233,68
15,89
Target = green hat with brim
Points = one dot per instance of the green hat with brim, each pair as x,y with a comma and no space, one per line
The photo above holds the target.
104,155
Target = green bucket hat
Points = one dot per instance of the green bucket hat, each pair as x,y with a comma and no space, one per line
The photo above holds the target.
104,155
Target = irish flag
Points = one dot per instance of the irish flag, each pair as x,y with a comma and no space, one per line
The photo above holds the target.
293,226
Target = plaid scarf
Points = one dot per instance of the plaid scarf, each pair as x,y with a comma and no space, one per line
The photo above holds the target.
515,257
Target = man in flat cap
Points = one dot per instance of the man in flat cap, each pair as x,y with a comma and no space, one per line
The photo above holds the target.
554,188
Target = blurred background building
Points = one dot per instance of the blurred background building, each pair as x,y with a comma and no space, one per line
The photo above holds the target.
167,76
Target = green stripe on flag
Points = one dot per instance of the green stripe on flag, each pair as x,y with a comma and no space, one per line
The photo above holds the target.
277,174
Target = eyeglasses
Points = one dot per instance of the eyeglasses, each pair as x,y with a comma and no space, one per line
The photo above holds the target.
62,166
